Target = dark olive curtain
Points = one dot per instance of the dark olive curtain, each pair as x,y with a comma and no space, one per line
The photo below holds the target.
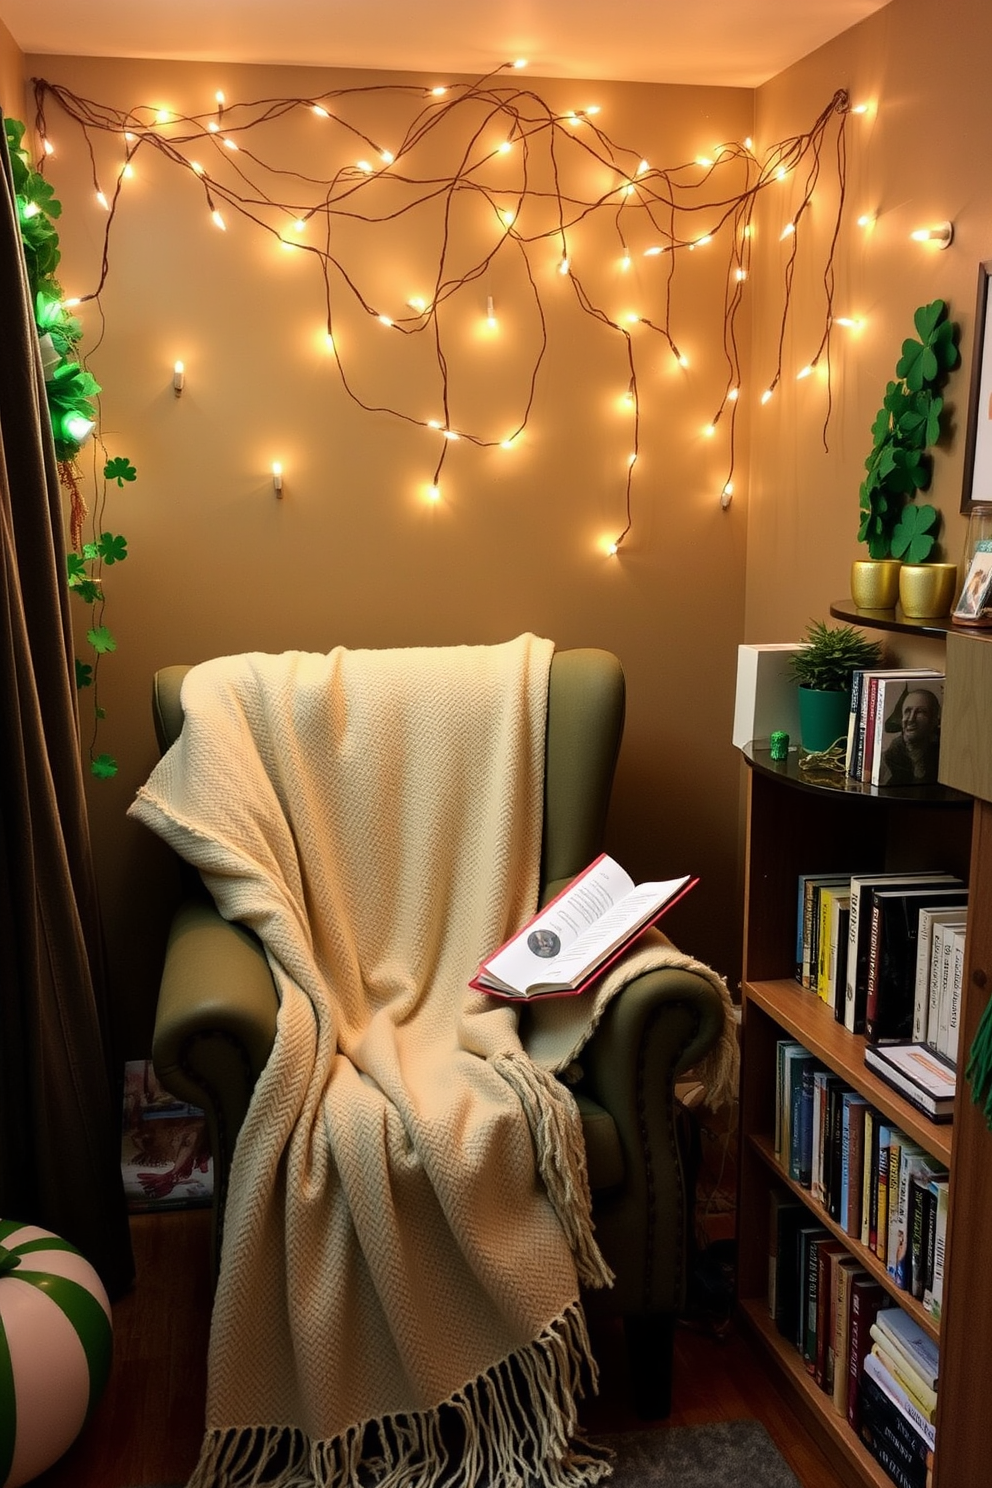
59,1113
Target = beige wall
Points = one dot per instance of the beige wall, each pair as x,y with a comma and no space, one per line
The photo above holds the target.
352,554
921,158
11,75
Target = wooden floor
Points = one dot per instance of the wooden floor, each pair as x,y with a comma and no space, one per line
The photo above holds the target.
147,1427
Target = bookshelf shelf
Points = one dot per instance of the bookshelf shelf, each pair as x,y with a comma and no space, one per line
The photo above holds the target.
797,826
811,1401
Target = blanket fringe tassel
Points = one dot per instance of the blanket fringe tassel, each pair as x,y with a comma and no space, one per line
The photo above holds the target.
556,1127
515,1428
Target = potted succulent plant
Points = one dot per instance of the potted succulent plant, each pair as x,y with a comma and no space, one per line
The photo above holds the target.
896,529
823,667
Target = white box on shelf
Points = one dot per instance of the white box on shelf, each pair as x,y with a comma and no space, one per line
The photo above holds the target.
767,697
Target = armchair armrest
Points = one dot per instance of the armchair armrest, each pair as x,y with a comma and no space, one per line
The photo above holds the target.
214,1027
660,1024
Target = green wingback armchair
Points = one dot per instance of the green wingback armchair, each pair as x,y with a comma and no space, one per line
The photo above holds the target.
216,1018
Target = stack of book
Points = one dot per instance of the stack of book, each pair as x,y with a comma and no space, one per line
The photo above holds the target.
898,1398
880,1187
894,727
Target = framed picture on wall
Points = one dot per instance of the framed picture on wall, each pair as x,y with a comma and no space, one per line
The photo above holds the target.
977,485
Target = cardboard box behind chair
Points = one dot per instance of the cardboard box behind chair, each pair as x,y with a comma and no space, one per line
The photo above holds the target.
767,696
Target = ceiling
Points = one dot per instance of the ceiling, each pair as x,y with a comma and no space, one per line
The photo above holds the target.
736,43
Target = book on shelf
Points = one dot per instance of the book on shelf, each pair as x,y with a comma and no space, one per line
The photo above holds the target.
921,1233
785,1214
824,1081
919,1075
806,1238
945,939
785,1049
828,1253
880,1234
854,1111
797,1151
868,1297
904,1453
835,906
848,1271
891,978
876,1370
907,729
572,941
815,1306
864,686
929,917
906,1337
808,933
859,933
869,1192
911,1159
933,1294
904,1375
949,1048
842,1267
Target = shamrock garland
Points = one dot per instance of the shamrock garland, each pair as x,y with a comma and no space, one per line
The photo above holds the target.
70,391
906,425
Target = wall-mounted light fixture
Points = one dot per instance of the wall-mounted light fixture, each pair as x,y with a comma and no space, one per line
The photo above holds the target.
941,235
277,478
178,378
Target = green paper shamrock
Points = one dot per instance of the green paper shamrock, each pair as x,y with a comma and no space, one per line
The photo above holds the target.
101,640
120,469
915,533
104,767
112,549
84,674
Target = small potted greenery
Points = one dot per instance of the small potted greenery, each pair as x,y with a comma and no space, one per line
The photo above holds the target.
823,667
894,527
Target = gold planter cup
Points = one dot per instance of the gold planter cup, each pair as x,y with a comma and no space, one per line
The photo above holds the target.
927,590
875,583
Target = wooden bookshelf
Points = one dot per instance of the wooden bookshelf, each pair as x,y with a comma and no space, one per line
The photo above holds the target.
797,825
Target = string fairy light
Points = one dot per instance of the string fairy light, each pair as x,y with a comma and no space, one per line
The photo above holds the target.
659,213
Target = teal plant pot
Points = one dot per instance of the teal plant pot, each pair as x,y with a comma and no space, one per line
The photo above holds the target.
823,718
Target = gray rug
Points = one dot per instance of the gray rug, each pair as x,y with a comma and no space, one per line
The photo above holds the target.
726,1455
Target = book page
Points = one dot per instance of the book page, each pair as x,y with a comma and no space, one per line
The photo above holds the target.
537,952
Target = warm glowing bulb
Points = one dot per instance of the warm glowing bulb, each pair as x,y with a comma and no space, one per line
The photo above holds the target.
726,495
438,92
740,275
230,145
701,242
505,147
787,231
866,219
507,216
72,303
860,108
704,160
162,116
213,127
433,493
625,263
127,172
387,157
418,303
508,444
320,112
683,361
196,167
748,143
629,189
178,377
806,371
299,225
632,459
710,430
564,266
219,96
632,317
613,549
219,221
48,147
593,108
766,395
781,173
520,62
384,320
277,477
942,235
328,341
365,166
851,323
490,313
653,252
733,395
642,167
101,198
433,424
450,434
728,489
78,427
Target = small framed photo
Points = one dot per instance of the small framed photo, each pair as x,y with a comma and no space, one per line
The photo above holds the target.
977,485
974,599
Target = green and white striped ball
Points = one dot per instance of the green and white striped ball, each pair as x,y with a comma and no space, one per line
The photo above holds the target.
55,1348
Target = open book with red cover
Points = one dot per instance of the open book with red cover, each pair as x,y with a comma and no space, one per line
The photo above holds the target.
572,940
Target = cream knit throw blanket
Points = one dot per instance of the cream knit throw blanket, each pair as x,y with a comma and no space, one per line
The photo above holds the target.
407,1222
